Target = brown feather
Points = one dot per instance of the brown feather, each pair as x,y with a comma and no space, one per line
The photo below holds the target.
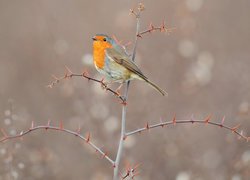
124,60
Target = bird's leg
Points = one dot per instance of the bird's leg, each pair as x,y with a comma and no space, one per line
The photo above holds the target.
118,90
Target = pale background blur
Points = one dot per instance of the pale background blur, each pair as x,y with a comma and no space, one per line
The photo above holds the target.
203,65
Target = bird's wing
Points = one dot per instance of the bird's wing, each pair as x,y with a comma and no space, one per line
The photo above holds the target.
123,59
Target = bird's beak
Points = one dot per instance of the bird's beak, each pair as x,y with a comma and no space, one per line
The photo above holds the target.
94,39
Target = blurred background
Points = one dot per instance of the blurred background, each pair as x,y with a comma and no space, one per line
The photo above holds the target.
203,65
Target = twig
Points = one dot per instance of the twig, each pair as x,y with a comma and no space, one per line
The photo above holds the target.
131,171
70,74
138,16
87,139
152,28
234,129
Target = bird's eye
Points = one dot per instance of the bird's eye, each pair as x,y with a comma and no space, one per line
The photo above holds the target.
104,39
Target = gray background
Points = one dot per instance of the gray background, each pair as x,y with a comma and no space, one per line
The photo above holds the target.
203,65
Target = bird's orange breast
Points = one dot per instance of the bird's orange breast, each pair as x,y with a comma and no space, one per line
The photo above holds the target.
99,53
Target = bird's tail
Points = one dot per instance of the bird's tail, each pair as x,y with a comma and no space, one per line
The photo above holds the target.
144,78
156,87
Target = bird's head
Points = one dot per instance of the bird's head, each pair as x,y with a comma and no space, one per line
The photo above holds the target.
102,40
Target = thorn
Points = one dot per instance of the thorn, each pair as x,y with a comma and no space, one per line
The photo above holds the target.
114,165
4,133
68,72
234,129
124,137
53,76
48,123
161,122
88,137
66,75
49,86
151,27
192,119
137,165
139,35
127,165
120,174
222,121
102,81
163,27
174,120
241,133
135,174
147,126
104,155
78,130
131,12
32,125
207,119
124,103
85,74
61,125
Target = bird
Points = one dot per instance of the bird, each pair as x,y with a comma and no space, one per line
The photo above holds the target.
114,63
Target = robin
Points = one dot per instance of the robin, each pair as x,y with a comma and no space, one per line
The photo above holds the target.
112,60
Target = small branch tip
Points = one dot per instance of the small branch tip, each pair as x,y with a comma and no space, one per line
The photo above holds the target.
141,7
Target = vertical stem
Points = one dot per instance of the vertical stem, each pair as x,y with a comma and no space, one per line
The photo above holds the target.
136,35
123,133
124,108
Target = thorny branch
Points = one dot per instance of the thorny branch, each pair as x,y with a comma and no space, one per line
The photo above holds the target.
76,133
152,28
70,74
174,121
